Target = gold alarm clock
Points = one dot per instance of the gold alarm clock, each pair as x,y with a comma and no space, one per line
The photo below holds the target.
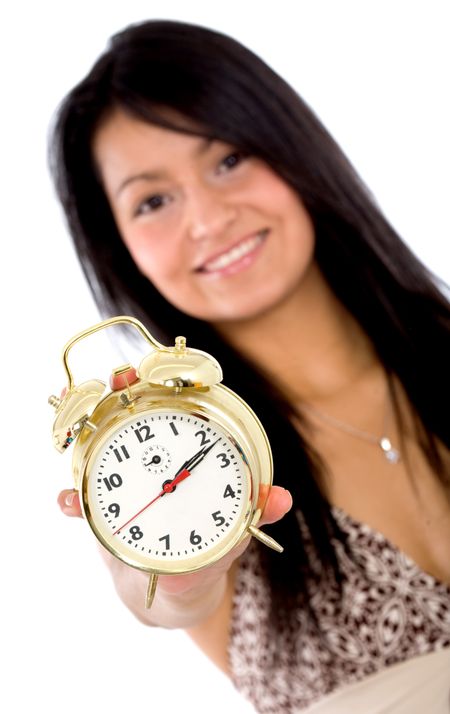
172,467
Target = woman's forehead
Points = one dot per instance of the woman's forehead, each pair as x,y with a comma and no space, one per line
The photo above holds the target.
125,146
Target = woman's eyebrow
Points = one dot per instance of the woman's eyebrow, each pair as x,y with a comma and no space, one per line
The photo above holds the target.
144,176
158,174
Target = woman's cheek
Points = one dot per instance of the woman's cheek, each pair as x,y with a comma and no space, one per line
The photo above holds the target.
140,249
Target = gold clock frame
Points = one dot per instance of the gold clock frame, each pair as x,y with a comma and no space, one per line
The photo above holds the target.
178,378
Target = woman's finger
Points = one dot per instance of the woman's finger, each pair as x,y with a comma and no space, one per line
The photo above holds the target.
69,502
279,502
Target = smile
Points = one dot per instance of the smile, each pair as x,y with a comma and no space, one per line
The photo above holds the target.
239,256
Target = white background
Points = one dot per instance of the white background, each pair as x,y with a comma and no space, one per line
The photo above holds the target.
377,75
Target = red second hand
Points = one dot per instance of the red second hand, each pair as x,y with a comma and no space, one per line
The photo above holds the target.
168,488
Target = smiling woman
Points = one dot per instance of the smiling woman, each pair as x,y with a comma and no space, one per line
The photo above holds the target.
220,235
205,198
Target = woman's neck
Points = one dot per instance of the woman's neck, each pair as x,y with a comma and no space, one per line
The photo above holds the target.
309,343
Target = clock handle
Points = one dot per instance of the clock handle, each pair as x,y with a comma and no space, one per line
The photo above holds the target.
121,319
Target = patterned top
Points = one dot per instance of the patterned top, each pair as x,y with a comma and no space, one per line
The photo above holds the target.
390,611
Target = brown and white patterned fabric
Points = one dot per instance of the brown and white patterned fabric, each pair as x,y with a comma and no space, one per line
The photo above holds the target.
390,611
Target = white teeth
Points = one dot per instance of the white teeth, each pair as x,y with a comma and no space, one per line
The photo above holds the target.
235,253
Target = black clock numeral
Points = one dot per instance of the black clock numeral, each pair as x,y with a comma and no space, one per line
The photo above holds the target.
174,428
122,454
229,492
203,438
143,433
136,533
114,509
114,481
219,519
225,460
167,539
195,538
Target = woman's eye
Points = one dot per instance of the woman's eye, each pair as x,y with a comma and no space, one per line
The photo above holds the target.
231,161
150,204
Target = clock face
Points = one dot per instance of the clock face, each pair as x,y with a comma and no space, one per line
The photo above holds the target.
167,487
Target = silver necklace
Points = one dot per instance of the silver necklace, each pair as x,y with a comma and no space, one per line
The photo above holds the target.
383,442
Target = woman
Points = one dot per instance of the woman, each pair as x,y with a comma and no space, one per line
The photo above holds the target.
206,199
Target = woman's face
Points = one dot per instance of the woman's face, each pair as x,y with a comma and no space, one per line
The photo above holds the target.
219,234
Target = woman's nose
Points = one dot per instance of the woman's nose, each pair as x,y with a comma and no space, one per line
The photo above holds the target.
210,215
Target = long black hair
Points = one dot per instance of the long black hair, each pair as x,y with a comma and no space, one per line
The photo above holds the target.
227,93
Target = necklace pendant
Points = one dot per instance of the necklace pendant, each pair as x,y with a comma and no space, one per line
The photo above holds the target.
392,455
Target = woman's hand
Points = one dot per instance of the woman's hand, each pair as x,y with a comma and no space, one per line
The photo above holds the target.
180,600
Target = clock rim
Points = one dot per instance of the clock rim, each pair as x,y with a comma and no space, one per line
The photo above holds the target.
233,430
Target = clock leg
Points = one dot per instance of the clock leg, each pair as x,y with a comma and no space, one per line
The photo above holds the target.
267,540
151,589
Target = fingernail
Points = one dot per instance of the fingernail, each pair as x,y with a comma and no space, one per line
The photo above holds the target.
291,500
69,499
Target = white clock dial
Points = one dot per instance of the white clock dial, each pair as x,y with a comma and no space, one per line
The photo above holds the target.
149,500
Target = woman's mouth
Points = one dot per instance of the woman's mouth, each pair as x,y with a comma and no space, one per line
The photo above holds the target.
237,258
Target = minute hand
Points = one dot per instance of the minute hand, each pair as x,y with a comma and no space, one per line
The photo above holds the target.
199,456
